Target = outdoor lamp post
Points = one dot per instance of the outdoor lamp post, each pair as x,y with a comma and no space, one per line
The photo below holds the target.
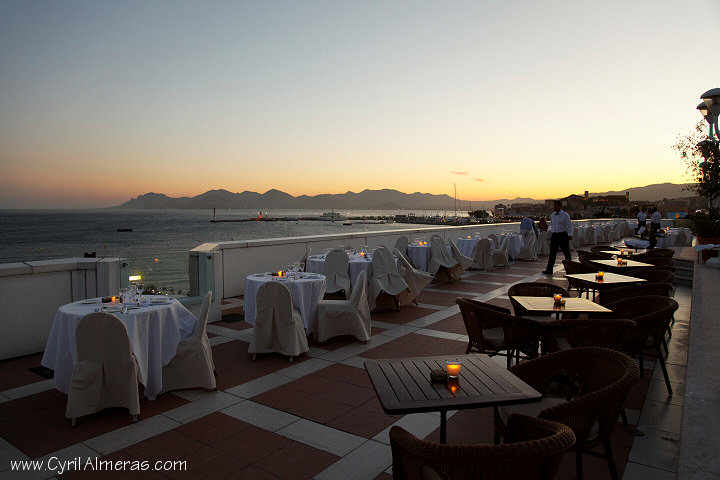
710,109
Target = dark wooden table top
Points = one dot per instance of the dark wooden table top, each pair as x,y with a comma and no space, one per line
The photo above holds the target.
403,385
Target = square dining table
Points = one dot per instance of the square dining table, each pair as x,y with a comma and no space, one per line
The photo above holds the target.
571,305
403,386
608,280
627,263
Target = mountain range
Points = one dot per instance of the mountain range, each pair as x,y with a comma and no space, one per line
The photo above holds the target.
384,199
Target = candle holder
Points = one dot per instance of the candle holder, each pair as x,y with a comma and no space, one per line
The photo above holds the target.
453,368
600,275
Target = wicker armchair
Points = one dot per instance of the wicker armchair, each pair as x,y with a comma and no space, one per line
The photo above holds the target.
598,249
629,291
602,379
577,267
661,262
492,329
665,252
652,315
652,275
533,450
596,332
582,253
533,289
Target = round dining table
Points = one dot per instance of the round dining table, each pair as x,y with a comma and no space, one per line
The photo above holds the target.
155,328
358,262
306,290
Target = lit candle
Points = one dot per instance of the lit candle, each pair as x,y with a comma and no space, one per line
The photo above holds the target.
279,273
453,368
601,275
558,297
622,251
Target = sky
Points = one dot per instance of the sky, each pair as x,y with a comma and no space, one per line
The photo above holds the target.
102,101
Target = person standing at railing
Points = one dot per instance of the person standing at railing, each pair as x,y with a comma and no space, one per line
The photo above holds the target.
562,229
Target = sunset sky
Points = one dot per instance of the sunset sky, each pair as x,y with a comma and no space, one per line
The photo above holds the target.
103,101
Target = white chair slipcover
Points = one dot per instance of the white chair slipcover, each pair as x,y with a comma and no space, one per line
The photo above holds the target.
441,263
679,239
590,236
278,326
541,246
606,234
500,255
415,278
401,244
578,237
527,234
387,286
345,317
494,239
483,254
462,260
192,366
105,374
614,232
527,252
336,271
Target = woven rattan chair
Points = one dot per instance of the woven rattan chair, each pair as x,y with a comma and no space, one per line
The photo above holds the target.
598,249
533,289
652,275
665,252
574,268
582,253
533,450
642,256
629,291
602,379
596,332
652,315
491,329
661,262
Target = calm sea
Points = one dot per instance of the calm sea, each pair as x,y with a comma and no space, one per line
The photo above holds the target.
159,242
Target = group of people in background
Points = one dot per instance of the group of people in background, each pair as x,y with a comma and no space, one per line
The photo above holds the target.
651,233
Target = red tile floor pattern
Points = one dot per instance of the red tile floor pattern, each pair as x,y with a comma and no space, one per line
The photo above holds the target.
338,396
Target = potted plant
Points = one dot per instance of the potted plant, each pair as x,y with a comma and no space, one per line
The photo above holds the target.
706,227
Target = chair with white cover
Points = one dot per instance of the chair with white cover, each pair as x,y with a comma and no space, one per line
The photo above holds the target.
527,234
345,317
278,325
483,254
527,252
442,265
192,366
401,244
679,239
615,231
500,255
336,270
105,374
541,246
590,236
462,260
494,239
578,240
606,234
414,277
387,286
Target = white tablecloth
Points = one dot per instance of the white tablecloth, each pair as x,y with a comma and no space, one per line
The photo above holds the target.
305,292
515,242
154,331
358,263
467,245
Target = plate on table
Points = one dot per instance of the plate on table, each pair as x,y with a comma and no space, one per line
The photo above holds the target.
91,301
160,301
112,309
312,275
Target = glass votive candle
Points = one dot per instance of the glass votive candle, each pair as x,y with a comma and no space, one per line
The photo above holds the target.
557,297
453,368
622,251
600,275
